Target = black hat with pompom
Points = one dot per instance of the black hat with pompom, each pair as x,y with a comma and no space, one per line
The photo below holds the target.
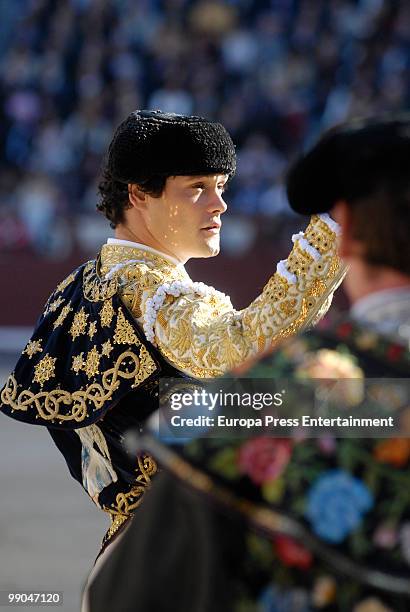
351,162
153,143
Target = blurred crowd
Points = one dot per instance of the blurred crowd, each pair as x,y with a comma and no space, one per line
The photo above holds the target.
274,72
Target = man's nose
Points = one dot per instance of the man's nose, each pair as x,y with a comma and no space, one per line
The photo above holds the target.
218,204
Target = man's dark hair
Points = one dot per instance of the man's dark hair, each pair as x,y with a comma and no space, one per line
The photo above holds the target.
114,198
366,164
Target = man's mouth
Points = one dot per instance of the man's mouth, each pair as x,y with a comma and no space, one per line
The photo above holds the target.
212,228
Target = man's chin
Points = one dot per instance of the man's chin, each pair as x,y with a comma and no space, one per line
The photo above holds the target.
208,250
212,248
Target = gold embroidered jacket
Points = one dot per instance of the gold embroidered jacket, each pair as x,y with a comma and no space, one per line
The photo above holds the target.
112,327
196,327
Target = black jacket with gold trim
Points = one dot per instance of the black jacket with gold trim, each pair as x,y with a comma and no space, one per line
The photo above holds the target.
86,356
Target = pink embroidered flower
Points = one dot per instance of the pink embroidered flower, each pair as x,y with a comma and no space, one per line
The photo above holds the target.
385,536
264,459
327,444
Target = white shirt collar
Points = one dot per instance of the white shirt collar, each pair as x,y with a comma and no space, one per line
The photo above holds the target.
387,311
379,299
144,247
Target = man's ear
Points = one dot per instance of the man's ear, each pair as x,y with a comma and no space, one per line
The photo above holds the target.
342,214
137,197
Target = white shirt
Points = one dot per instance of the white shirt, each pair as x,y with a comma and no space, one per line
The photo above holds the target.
388,311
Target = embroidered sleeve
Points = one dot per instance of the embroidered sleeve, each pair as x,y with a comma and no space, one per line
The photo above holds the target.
197,329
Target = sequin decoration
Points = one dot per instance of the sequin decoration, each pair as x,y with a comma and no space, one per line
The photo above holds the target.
53,306
44,370
106,314
96,289
33,347
92,363
92,330
79,324
60,319
124,332
78,363
106,348
67,281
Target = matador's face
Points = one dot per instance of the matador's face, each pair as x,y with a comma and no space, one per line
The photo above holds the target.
186,219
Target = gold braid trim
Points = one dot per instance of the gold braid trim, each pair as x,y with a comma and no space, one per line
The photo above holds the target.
126,503
48,403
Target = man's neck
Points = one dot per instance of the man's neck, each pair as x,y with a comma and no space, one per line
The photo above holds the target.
125,233
363,280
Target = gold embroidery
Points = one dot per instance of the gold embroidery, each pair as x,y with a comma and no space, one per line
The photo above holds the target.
294,327
299,261
106,348
33,347
79,324
147,366
288,307
162,320
45,369
145,273
181,340
64,312
317,289
199,372
53,306
48,404
106,314
276,288
124,332
206,336
320,236
96,289
78,363
67,281
92,363
261,342
126,503
113,254
92,330
136,304
334,267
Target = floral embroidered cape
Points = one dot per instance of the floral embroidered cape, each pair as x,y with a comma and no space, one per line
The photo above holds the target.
328,520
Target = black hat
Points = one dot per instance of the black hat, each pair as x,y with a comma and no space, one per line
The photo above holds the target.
351,162
152,143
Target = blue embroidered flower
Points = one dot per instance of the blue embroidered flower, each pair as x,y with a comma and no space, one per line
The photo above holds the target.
274,599
336,503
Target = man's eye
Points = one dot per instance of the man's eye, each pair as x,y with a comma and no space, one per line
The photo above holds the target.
198,186
223,187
